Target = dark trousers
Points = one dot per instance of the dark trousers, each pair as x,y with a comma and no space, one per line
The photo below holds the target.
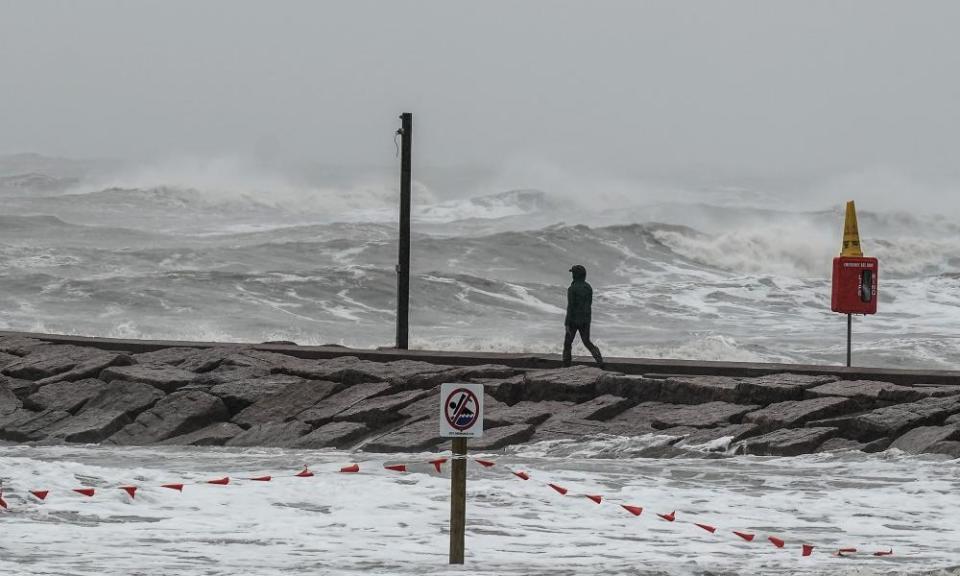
585,337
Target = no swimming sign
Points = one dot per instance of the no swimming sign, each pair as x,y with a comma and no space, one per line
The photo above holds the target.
461,410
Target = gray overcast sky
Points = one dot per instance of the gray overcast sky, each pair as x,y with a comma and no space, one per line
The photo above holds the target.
754,87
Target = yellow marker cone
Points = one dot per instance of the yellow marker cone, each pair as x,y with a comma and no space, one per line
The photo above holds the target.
851,234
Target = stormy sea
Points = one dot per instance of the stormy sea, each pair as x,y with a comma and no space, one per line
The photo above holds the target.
218,251
214,250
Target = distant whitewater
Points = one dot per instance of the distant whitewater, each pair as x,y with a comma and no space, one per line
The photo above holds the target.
723,275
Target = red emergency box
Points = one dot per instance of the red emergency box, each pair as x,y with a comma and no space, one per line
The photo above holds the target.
855,285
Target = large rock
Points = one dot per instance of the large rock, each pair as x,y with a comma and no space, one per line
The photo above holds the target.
955,419
602,407
919,440
576,384
274,434
699,389
787,442
67,361
523,412
9,403
28,426
179,413
348,370
950,448
157,375
559,428
340,402
892,421
66,396
636,388
20,345
333,435
173,356
285,405
90,368
376,412
239,394
776,388
412,437
213,435
661,416
869,393
840,445
795,413
713,439
21,388
506,390
108,411
497,438
232,374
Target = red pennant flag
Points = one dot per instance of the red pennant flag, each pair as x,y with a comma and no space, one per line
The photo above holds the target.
707,527
522,475
843,551
438,463
396,467
559,489
350,469
597,499
307,473
807,549
669,517
884,553
220,481
485,463
776,541
3,503
88,492
744,535
131,490
177,487
635,510
40,494
262,479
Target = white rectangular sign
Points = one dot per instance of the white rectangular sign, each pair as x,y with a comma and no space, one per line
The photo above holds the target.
461,410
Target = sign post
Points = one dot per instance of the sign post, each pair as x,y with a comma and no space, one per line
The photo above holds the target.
461,417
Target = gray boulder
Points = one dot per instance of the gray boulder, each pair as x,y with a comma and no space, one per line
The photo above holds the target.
239,394
920,440
793,413
955,419
159,376
348,399
699,389
776,388
28,426
333,435
179,413
636,388
700,437
787,442
376,412
20,388
602,407
869,393
503,436
523,412
576,384
89,368
411,437
274,434
216,434
20,345
66,396
9,403
840,445
892,421
47,361
90,426
661,416
949,447
285,405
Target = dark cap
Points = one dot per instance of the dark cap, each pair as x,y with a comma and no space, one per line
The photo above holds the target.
578,269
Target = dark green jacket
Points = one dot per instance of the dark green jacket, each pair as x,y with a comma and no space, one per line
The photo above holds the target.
579,300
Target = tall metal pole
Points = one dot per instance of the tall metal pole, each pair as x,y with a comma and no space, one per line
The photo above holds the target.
458,500
849,337
403,265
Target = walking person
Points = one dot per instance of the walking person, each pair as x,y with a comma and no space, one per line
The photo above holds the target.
579,301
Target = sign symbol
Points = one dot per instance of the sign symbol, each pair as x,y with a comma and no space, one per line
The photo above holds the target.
462,408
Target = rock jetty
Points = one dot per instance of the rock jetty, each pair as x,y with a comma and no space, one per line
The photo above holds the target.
235,395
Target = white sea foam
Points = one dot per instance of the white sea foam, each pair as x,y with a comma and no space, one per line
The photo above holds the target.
383,522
